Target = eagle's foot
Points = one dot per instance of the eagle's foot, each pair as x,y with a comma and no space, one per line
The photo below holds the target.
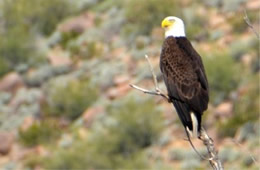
171,99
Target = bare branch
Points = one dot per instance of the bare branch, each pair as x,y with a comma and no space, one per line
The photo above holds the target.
213,154
250,25
157,92
193,147
207,141
152,71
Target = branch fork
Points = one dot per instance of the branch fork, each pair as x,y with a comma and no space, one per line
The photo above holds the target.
157,91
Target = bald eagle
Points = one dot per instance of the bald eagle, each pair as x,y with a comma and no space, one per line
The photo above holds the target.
184,75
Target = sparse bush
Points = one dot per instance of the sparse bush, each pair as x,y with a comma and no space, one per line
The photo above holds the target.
21,20
107,5
41,15
246,109
222,75
228,154
85,155
39,133
131,115
195,29
86,49
71,99
15,51
115,142
142,16
66,37
4,68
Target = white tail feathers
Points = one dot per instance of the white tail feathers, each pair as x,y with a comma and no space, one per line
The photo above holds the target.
194,133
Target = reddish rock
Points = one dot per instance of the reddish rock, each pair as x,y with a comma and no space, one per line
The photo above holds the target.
27,122
157,34
224,110
78,24
216,20
118,91
6,142
11,82
253,5
90,114
123,89
63,122
122,79
40,150
247,59
58,57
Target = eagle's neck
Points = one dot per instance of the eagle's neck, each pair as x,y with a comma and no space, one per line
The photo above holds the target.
176,31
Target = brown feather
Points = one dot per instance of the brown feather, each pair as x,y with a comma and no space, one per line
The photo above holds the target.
184,77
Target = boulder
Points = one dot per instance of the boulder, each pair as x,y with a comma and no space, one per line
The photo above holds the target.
78,24
119,91
57,57
27,122
11,82
253,5
122,79
224,110
90,114
6,142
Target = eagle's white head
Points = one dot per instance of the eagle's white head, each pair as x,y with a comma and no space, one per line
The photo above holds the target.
173,26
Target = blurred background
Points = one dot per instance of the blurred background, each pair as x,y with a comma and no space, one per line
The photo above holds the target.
65,70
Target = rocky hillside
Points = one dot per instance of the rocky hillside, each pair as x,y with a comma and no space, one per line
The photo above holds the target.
65,70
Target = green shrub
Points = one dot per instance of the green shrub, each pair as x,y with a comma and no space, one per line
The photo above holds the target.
86,155
66,37
4,68
21,21
116,141
103,6
39,133
41,15
238,22
71,99
86,49
143,16
16,47
130,115
246,109
195,29
222,73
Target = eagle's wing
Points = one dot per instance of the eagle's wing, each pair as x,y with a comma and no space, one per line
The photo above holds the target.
189,50
184,75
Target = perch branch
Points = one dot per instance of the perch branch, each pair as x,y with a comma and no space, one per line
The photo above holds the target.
207,141
213,154
250,25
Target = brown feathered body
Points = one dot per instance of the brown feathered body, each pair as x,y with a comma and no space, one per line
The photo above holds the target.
185,79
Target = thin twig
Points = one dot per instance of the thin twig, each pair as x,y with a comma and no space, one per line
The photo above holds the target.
157,93
245,150
154,75
207,141
193,147
250,25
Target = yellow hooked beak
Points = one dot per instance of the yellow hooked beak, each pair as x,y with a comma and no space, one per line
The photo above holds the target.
166,23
